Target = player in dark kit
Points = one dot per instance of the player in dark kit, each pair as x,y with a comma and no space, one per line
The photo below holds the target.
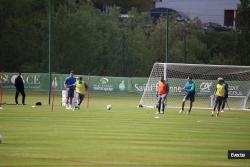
70,84
19,88
190,94
224,101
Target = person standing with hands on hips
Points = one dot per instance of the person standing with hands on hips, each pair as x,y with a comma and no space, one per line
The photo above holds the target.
19,84
161,93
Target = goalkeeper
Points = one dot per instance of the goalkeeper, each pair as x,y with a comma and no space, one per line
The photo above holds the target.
190,94
161,93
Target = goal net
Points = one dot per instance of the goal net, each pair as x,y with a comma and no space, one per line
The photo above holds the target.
205,78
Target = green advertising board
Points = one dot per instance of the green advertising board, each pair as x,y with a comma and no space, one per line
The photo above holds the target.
40,82
109,84
34,81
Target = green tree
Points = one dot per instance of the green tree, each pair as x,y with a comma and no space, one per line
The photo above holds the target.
157,40
21,34
138,56
186,43
243,30
76,39
222,47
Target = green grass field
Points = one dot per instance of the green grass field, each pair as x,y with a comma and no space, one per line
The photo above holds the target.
124,136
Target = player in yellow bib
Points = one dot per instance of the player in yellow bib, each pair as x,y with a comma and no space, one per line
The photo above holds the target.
81,88
219,96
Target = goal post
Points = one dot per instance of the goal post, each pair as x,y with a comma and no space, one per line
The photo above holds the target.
205,77
149,98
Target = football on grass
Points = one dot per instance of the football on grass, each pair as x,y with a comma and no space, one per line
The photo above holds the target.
109,107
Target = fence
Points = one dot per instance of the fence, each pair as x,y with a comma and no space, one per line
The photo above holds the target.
40,82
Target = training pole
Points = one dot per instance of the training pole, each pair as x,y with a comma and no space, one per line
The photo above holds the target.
1,89
1,93
228,106
53,84
88,90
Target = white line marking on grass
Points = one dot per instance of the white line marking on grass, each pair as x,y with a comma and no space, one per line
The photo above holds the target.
194,131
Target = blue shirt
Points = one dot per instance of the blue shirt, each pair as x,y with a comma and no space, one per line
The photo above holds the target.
71,83
190,87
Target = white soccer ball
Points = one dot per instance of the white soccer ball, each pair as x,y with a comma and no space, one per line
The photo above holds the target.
109,106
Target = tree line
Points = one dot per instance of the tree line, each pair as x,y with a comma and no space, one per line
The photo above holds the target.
86,39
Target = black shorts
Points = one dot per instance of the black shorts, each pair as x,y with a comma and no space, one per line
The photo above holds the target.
81,96
71,93
219,99
190,96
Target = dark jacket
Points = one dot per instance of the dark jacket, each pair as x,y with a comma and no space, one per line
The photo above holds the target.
19,83
226,90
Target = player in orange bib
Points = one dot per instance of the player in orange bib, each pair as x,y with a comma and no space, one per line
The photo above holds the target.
161,93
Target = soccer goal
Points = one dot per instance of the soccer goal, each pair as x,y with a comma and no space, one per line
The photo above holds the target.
205,77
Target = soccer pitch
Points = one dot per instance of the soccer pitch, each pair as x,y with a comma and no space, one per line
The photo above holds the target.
124,136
